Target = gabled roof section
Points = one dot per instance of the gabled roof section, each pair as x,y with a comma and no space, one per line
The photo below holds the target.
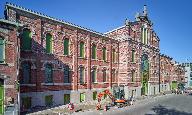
10,5
10,22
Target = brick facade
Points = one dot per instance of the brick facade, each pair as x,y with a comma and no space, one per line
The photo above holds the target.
119,65
9,68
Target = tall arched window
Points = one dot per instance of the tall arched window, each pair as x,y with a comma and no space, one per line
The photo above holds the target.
49,45
81,74
104,54
93,75
2,50
113,75
26,73
26,40
48,73
113,55
66,47
93,51
66,74
104,75
82,49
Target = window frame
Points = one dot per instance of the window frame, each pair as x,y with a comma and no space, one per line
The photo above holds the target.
104,73
26,39
104,51
66,77
81,75
82,49
3,45
66,47
94,75
94,52
49,43
28,71
50,74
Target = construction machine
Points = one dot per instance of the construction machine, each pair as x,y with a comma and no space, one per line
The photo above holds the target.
117,97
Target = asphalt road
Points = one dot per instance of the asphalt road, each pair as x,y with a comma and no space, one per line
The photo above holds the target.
163,105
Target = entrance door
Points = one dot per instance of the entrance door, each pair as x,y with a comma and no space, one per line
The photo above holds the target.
1,97
66,98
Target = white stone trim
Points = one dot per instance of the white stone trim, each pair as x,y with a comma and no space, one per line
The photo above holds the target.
27,84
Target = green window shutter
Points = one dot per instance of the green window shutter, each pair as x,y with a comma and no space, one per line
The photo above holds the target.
26,40
104,75
93,52
66,99
82,97
104,54
94,95
66,46
49,43
49,100
81,49
2,50
26,102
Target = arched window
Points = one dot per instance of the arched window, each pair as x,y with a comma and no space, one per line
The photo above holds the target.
93,75
81,75
26,40
66,74
104,75
82,49
113,75
133,55
113,55
2,50
104,54
66,47
93,51
144,35
133,76
49,45
26,73
48,73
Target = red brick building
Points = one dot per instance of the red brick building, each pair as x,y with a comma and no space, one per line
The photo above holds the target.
138,56
61,62
9,57
171,73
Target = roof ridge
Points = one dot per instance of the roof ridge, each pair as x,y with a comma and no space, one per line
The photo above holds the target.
54,19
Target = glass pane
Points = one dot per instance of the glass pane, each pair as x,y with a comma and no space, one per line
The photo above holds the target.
48,43
66,47
26,40
81,49
2,50
26,73
66,74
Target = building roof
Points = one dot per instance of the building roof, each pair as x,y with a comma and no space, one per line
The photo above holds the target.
51,18
10,22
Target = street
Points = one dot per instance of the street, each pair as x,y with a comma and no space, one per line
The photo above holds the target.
162,105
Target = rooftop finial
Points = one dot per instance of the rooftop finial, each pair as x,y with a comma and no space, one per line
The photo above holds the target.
145,10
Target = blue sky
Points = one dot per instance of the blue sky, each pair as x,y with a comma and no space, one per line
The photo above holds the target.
171,18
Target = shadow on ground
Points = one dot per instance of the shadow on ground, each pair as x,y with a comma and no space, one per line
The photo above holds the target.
162,110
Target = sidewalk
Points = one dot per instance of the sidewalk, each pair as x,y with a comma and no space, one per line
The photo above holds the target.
84,108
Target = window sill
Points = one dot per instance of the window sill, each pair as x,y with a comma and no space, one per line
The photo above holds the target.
94,82
26,51
28,85
81,58
50,84
47,83
3,63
